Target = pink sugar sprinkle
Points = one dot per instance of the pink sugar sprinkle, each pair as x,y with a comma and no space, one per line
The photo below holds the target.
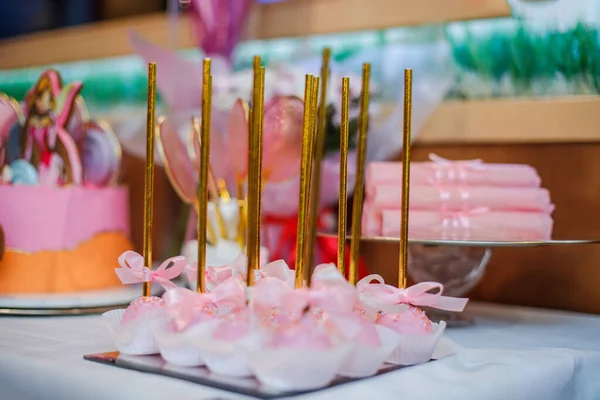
413,321
233,327
303,335
139,306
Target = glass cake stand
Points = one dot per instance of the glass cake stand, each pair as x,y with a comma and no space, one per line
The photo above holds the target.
459,265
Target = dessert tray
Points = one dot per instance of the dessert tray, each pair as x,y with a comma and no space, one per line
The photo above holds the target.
258,327
254,326
248,386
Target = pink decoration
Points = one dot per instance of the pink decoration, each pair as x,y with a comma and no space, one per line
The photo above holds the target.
416,295
282,140
280,199
31,229
441,171
48,109
49,174
457,198
333,299
219,120
133,270
217,275
57,121
179,80
219,24
237,140
229,295
478,224
178,165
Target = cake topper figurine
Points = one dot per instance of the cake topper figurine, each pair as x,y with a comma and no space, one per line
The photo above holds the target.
359,186
149,175
44,139
51,140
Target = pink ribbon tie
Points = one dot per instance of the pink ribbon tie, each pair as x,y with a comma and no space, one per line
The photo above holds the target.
416,295
456,225
217,275
133,270
454,171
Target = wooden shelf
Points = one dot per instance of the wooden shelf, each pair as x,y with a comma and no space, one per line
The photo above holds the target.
553,120
87,42
285,19
309,17
504,121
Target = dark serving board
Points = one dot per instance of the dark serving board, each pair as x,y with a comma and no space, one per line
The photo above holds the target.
201,375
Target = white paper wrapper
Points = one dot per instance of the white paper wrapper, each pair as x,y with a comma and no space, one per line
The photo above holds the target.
365,360
298,369
136,338
226,357
178,348
416,349
445,348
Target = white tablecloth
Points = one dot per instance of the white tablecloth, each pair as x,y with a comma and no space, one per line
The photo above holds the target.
510,353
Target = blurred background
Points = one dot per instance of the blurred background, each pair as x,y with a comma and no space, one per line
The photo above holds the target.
18,17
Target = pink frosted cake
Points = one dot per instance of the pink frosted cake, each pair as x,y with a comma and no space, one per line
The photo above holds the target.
63,218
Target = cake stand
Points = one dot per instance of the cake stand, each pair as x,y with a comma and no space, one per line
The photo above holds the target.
459,265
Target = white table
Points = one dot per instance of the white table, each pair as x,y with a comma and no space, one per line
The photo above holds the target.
511,353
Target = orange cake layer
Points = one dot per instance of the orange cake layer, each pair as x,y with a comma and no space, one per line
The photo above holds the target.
90,266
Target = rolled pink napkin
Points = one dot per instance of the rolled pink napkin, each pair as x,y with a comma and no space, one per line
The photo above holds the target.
441,171
480,224
455,198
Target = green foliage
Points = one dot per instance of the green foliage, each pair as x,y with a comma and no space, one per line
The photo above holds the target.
332,130
524,57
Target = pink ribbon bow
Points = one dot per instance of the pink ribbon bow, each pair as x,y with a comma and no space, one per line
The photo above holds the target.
456,225
133,270
217,275
335,299
453,171
416,295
